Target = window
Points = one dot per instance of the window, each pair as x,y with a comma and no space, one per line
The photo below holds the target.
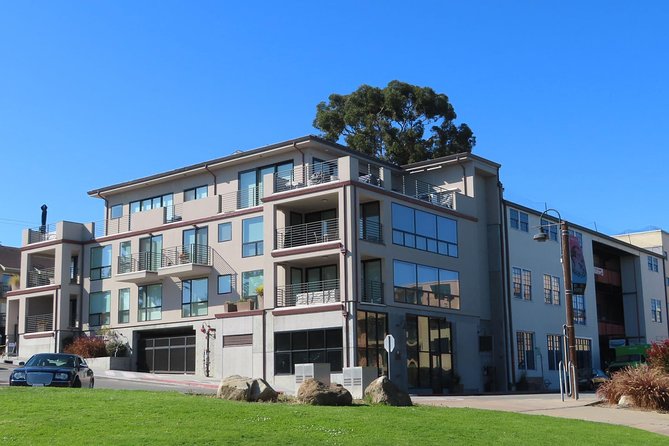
522,283
425,231
225,284
372,329
550,228
250,281
426,285
101,260
225,232
151,203
125,258
251,182
584,353
124,306
150,303
194,297
525,343
578,236
252,237
656,310
99,308
300,347
116,211
195,193
551,289
652,264
579,309
554,343
519,220
429,352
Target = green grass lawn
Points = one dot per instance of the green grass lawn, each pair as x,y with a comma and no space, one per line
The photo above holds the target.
114,417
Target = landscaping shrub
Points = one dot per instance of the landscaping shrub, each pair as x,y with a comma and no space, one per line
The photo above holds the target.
657,355
88,347
647,386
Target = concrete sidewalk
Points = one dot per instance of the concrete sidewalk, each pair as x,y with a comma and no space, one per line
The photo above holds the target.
551,405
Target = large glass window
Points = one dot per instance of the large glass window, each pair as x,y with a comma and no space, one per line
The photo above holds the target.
578,302
116,211
370,222
252,237
150,303
251,182
194,297
554,344
372,329
99,308
225,284
302,347
101,260
429,353
525,344
656,310
417,229
426,285
151,203
124,306
195,193
251,280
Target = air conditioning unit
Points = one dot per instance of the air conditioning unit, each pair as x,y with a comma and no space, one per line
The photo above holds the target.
356,379
318,371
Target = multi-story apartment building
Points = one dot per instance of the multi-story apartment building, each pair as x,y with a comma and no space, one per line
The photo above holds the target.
302,251
10,266
617,308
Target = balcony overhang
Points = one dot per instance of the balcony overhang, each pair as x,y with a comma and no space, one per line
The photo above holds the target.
138,277
317,247
184,270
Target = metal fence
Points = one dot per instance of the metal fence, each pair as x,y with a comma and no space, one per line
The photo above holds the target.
371,231
307,233
300,176
182,255
42,233
425,191
39,322
372,292
141,261
308,293
40,277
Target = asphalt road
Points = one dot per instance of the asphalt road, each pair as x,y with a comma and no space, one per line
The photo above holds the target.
118,384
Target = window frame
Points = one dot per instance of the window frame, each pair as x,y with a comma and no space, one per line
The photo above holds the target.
103,318
578,309
301,351
227,224
418,295
245,285
410,236
218,284
143,310
188,302
196,191
123,316
103,271
256,244
656,310
525,357
113,209
551,290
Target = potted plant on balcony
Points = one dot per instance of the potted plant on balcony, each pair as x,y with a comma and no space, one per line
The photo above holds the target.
230,307
246,304
14,282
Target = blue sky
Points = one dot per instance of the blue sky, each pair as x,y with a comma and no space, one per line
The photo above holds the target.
570,97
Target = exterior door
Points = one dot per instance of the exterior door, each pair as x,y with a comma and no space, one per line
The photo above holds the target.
150,249
195,245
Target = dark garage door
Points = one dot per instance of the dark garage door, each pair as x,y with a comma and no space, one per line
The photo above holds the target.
167,354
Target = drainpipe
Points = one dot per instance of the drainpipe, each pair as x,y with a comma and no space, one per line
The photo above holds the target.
106,212
508,318
464,176
345,313
304,174
206,167
664,279
56,334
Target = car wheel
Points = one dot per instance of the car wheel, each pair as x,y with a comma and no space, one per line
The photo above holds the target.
591,385
76,383
91,384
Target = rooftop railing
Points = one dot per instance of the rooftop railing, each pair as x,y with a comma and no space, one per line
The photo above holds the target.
427,192
309,293
307,233
40,277
303,176
42,233
370,174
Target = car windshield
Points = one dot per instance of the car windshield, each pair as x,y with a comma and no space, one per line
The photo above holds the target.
45,360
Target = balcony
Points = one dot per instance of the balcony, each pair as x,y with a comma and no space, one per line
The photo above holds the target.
607,276
306,175
40,277
39,322
138,268
371,231
240,199
309,293
185,261
421,190
372,292
307,234
42,233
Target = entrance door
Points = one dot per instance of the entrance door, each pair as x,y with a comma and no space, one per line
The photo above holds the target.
195,243
150,249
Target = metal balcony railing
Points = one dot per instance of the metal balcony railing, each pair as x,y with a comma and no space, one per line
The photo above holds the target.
241,199
112,226
42,233
182,255
309,293
141,261
372,292
303,176
39,322
426,192
370,174
371,231
40,277
307,233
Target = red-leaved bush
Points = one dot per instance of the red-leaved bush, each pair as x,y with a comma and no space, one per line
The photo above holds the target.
657,355
647,386
88,347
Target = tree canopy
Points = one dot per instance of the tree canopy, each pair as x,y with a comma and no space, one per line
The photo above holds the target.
401,123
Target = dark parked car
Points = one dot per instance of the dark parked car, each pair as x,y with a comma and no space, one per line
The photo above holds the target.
591,379
53,369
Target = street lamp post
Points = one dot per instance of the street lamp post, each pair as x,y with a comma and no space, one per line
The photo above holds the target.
565,259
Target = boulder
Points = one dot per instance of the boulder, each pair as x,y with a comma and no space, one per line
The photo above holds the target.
242,388
625,401
317,393
384,391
